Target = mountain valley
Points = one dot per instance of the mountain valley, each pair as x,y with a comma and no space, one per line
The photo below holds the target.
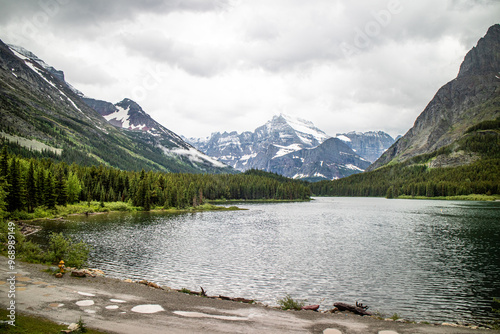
296,148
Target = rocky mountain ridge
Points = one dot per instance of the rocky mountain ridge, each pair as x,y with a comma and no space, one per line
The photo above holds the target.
39,108
471,98
369,145
295,148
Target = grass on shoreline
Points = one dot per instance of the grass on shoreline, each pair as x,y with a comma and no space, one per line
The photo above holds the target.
226,201
471,197
97,207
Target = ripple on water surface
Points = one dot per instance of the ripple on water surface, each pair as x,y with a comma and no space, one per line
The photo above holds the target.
425,260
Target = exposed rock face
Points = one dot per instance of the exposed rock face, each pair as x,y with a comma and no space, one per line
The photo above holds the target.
56,73
473,97
369,145
288,146
333,159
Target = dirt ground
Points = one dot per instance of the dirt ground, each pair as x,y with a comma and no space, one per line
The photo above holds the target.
116,306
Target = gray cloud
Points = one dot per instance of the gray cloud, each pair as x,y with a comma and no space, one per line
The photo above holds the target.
98,11
203,61
248,57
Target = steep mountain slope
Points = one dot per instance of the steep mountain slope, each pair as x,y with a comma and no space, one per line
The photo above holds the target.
39,110
333,159
288,146
369,145
128,115
469,99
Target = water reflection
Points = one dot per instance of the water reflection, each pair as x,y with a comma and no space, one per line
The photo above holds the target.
425,260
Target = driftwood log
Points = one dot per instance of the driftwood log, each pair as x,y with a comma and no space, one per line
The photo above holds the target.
352,308
239,300
311,307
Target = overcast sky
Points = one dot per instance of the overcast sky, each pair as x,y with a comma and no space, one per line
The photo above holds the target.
200,66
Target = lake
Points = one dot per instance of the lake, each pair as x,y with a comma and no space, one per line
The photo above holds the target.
430,261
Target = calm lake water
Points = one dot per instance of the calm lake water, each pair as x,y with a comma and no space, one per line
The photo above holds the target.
424,260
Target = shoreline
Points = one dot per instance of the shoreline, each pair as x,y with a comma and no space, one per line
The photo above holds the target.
463,198
79,210
213,297
41,294
376,315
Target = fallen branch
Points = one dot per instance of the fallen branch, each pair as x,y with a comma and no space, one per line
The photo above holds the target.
351,308
237,299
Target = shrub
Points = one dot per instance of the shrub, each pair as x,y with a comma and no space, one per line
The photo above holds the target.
82,327
4,231
31,252
62,248
58,247
77,255
287,303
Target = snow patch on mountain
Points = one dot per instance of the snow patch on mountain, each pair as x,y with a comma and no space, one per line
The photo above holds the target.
353,167
284,150
302,126
120,115
194,156
24,54
344,138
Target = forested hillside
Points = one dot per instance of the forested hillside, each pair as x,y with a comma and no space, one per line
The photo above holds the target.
41,111
28,184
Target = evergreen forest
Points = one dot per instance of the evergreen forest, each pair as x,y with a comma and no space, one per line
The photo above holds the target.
29,183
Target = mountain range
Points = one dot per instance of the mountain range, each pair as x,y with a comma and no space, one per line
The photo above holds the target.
471,98
296,148
42,112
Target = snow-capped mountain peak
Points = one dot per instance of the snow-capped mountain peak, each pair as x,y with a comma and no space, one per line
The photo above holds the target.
302,131
24,54
304,126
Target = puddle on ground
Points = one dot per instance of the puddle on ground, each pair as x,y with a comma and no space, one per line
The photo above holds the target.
117,301
85,303
56,305
147,308
86,294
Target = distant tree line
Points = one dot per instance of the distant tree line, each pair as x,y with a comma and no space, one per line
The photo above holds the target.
26,184
482,177
415,178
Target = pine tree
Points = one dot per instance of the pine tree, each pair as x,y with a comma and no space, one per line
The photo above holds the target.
31,188
4,162
40,181
3,196
61,189
15,196
50,196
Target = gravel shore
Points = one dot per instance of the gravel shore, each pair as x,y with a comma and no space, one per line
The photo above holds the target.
117,306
